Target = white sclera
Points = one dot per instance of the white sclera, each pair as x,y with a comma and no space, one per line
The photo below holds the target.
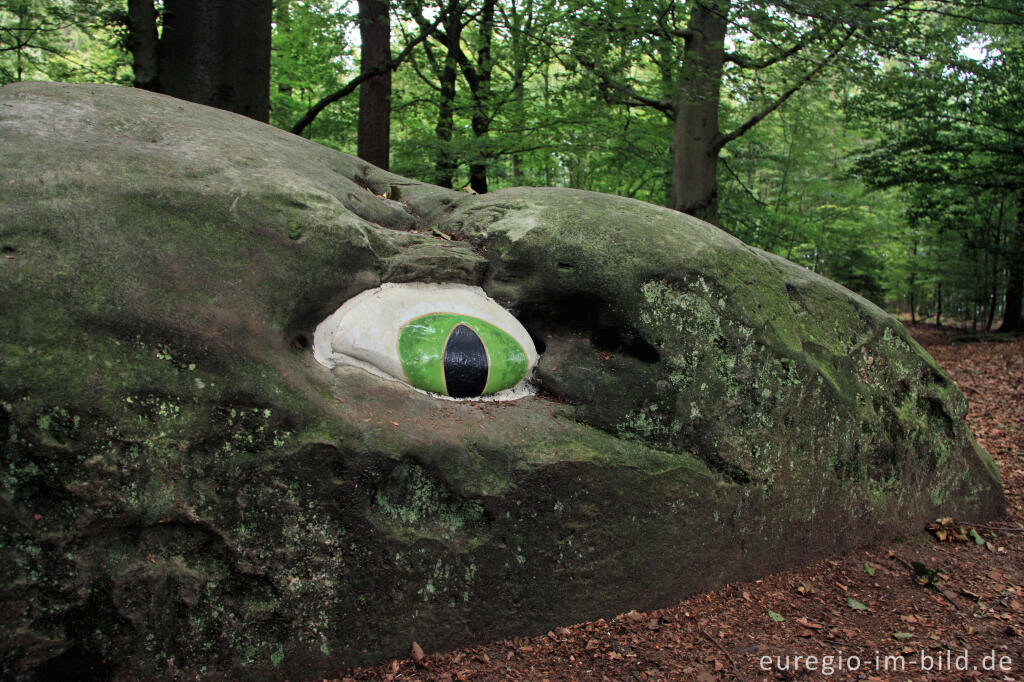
364,331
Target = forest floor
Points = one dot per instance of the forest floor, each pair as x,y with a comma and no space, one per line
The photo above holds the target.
945,604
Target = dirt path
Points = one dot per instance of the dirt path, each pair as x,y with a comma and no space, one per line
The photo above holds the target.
918,609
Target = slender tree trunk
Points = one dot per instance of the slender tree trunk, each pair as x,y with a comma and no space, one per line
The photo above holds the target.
142,43
217,52
547,102
993,301
20,44
912,282
444,164
938,304
695,139
374,134
481,90
283,21
519,63
518,72
1012,321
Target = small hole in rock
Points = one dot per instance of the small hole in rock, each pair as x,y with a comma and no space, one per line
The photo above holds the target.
8,249
606,339
300,342
88,665
643,351
610,340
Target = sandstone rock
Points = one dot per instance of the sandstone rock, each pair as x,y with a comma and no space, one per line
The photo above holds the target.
188,493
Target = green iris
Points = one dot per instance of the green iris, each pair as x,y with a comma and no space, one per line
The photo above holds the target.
440,355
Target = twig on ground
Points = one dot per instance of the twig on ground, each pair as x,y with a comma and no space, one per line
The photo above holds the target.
930,584
1001,600
735,670
1004,529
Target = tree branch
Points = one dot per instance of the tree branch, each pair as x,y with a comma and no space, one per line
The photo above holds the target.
350,87
742,184
684,33
781,99
431,58
747,63
467,66
629,95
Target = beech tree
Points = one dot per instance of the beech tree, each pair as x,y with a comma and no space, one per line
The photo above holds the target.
374,130
767,52
381,66
443,79
477,72
488,45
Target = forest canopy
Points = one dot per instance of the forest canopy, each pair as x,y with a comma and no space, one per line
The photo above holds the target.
877,143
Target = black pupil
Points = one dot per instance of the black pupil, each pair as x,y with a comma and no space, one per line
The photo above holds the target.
465,363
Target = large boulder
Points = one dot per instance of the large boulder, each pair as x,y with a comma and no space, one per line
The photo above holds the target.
186,492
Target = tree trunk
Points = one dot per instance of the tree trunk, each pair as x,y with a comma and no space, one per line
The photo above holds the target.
142,43
912,282
374,134
217,52
444,165
519,64
695,139
1012,321
993,301
283,23
938,304
20,42
481,91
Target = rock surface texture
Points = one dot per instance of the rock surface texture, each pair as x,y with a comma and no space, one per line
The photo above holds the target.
187,493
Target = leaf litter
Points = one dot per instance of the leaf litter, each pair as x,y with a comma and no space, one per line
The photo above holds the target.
955,587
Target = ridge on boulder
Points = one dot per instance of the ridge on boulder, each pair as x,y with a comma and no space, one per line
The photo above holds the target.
188,493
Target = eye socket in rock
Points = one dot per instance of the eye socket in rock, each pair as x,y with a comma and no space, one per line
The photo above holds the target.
450,340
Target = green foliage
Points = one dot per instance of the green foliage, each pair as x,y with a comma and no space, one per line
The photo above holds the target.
787,188
897,171
68,40
949,136
313,55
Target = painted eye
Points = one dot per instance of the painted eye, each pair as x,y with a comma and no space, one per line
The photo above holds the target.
460,356
449,339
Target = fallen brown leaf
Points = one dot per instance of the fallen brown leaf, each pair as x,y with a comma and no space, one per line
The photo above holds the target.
418,657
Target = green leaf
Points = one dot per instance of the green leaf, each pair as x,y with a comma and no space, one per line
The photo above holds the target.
777,617
978,540
854,604
869,569
902,636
